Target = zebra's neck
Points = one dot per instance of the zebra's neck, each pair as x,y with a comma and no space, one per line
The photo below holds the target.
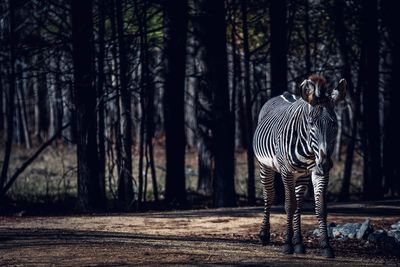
301,152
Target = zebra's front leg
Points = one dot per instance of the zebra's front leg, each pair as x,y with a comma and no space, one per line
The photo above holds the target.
301,187
290,207
320,184
267,181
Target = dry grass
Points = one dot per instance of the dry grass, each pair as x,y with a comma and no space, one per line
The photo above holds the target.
52,177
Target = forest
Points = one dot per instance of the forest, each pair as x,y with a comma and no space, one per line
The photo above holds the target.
127,126
133,105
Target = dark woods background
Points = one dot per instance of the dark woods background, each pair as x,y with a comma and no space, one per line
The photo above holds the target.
135,104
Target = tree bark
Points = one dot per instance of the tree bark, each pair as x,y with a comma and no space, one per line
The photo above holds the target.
391,143
11,95
279,46
175,20
2,96
51,97
340,31
251,193
203,106
41,111
149,87
89,196
223,140
307,55
235,75
191,84
125,183
213,108
101,99
372,145
20,94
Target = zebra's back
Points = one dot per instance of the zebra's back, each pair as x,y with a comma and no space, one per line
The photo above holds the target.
281,101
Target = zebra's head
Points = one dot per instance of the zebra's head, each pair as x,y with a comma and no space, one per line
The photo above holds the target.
321,119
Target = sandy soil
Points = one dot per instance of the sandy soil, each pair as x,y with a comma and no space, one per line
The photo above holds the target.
201,237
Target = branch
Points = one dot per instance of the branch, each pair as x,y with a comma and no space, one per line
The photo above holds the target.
31,159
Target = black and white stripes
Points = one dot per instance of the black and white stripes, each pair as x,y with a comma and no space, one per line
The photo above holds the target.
295,137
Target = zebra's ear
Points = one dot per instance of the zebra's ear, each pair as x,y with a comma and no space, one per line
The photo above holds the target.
307,90
339,93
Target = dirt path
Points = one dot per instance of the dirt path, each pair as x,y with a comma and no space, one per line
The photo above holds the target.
223,236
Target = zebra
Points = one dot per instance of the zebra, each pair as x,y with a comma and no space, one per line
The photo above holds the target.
296,136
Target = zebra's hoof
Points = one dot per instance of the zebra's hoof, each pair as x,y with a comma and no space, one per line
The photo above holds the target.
328,252
264,237
299,248
287,248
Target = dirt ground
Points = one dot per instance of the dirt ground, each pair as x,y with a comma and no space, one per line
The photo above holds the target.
194,237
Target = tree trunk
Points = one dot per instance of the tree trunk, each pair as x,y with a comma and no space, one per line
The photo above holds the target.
125,183
101,98
21,90
66,96
203,106
11,95
141,147
175,20
18,131
217,75
370,66
340,31
115,106
391,145
191,86
3,109
345,189
40,111
51,97
153,171
235,76
279,46
89,195
143,106
240,131
251,193
149,87
2,112
307,56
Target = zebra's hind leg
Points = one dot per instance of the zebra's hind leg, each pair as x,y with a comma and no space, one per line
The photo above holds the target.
301,187
290,207
267,181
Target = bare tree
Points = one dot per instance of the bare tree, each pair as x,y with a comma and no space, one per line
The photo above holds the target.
203,104
279,50
101,96
89,193
175,20
338,11
251,193
125,183
391,143
223,139
373,186
11,95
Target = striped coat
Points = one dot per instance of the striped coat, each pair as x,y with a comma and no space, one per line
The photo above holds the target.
295,136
